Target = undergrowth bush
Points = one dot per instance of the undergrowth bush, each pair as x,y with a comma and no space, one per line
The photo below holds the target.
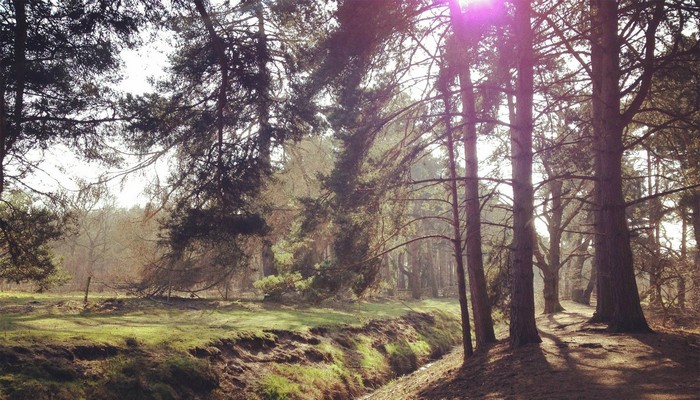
275,286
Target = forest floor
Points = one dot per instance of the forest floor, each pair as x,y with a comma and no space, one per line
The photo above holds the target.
575,360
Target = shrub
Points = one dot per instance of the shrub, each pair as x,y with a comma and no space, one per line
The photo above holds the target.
274,286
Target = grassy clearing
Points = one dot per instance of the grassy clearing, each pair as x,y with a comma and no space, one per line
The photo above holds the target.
61,318
146,349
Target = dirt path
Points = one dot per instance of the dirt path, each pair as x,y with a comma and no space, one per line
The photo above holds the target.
575,361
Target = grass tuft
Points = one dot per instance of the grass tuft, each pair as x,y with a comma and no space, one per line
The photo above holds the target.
276,387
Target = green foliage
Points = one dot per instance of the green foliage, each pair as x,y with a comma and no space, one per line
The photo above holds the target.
26,231
274,286
352,53
58,70
224,106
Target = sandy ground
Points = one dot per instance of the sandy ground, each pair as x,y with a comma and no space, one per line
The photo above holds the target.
574,361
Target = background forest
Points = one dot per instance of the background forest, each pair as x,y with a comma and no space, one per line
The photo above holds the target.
348,149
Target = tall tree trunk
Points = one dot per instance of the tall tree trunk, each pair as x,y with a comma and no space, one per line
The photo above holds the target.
565,276
551,272
481,307
522,310
3,134
654,215
590,286
12,129
613,250
441,267
684,256
414,281
264,129
604,302
457,235
222,97
695,208
432,270
401,267
263,82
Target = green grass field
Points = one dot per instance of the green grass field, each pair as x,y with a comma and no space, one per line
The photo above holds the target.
62,318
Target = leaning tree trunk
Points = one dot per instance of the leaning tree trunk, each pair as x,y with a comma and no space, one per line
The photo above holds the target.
523,329
615,260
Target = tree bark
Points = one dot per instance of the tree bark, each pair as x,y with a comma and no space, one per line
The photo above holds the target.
481,307
551,272
11,130
551,292
523,329
695,218
617,284
577,284
654,214
590,286
263,110
457,236
219,48
684,256
263,83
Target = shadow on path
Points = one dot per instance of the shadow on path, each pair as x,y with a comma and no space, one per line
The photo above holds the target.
579,361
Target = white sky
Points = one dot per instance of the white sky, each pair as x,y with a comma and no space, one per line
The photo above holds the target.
61,169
